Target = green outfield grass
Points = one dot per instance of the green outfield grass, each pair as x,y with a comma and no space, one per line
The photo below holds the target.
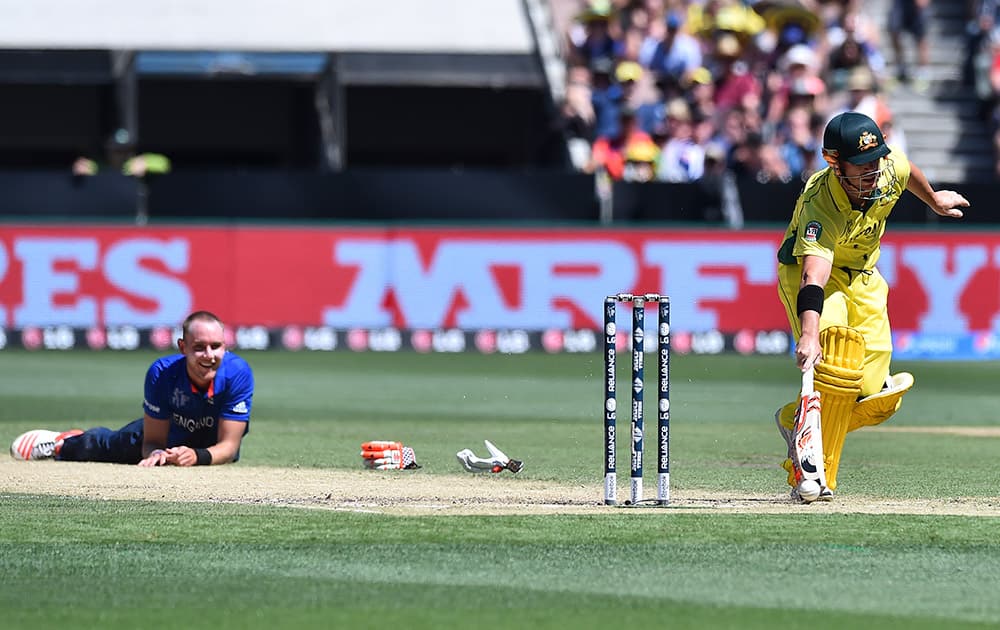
70,562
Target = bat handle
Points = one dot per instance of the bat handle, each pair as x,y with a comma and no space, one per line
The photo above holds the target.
807,381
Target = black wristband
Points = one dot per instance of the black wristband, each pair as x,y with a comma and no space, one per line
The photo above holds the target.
204,457
810,298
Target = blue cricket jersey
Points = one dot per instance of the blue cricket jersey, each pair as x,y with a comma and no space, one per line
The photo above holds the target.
194,416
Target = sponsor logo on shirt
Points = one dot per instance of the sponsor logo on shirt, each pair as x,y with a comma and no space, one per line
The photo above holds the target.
240,407
813,231
150,406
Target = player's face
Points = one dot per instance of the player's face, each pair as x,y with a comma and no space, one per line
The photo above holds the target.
203,348
867,172
861,180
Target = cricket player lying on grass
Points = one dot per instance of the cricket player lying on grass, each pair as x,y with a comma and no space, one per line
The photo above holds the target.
196,410
834,296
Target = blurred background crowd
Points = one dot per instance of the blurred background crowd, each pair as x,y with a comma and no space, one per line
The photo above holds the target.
678,90
542,103
981,67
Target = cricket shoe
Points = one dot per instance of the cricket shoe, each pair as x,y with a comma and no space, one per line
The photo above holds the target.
39,444
794,495
825,494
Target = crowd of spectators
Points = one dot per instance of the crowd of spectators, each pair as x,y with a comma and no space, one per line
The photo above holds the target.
678,90
982,63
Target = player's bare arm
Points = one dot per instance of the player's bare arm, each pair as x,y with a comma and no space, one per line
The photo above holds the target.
154,441
945,203
815,273
230,437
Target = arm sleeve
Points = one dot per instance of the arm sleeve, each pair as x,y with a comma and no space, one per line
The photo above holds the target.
153,403
806,247
817,232
239,398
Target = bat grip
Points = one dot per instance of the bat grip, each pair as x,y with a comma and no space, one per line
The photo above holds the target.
807,382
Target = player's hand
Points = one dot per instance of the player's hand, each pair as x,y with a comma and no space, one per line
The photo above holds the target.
182,456
83,166
136,166
948,202
808,352
157,458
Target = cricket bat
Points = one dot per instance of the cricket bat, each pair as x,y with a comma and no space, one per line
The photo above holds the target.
808,435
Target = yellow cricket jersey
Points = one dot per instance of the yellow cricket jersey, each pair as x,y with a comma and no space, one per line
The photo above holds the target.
825,224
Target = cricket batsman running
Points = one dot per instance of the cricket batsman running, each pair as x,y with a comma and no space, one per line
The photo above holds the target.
833,294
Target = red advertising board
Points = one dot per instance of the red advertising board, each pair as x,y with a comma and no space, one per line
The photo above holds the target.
435,278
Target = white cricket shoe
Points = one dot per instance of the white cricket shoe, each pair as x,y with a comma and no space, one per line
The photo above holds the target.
825,494
39,444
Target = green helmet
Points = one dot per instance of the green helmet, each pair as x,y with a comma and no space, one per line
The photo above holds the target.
855,138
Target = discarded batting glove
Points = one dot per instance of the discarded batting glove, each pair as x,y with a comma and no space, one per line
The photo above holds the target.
496,462
388,455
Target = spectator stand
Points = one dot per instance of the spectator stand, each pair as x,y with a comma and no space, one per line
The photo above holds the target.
751,84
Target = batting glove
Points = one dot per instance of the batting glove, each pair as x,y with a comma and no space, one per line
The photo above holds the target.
388,455
496,462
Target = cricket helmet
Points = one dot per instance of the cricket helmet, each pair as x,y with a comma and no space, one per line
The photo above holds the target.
855,138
